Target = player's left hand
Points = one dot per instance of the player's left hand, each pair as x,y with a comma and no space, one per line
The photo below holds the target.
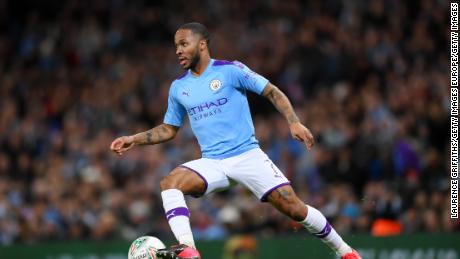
302,133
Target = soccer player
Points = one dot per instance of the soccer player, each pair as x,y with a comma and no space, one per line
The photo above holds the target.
212,93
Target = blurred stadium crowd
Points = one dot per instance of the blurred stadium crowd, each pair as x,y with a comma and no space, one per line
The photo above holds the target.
370,79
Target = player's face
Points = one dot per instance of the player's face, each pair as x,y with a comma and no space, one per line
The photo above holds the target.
187,48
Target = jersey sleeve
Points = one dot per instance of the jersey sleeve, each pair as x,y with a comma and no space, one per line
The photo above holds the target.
175,112
248,79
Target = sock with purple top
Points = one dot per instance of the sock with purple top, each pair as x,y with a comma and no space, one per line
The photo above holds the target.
317,224
178,216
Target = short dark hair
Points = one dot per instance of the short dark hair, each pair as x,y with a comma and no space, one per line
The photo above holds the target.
198,28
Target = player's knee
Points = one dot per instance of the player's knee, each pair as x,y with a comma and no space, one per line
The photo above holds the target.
169,182
186,182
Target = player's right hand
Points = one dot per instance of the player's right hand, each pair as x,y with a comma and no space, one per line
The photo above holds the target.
122,144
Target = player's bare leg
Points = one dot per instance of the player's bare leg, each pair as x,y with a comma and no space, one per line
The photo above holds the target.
185,180
181,181
286,201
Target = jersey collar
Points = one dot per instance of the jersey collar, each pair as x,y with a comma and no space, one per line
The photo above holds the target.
211,61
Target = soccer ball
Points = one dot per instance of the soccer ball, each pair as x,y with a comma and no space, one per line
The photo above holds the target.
145,248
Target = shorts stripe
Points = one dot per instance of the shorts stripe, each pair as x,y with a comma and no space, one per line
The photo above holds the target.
264,197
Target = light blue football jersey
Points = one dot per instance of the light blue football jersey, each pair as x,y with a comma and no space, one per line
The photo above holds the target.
217,107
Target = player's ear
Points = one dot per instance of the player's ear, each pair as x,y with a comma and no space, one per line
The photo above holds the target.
203,44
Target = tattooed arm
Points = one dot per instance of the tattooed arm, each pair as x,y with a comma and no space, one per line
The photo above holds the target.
283,105
159,134
281,102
